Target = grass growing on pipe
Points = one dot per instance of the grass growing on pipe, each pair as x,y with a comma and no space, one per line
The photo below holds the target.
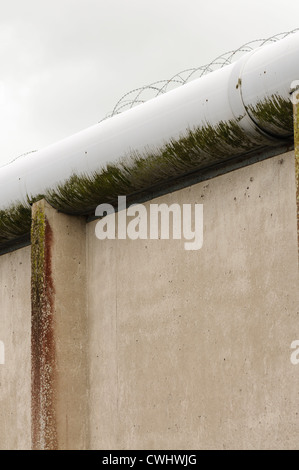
275,113
14,222
197,149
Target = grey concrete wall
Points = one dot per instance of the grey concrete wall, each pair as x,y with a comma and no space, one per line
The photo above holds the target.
59,331
174,349
191,350
15,327
70,316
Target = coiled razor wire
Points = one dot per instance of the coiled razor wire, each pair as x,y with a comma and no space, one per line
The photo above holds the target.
142,94
147,92
17,158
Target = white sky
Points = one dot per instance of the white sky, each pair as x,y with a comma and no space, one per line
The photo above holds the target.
65,63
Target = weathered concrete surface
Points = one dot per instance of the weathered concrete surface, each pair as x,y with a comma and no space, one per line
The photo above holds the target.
160,347
15,319
59,331
191,350
43,340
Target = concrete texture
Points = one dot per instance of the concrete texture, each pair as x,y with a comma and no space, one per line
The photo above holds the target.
15,320
191,350
59,331
152,346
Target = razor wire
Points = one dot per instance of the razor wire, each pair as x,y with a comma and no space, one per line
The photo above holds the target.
142,94
17,158
147,92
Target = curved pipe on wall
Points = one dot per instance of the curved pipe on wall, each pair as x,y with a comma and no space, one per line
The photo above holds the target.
239,92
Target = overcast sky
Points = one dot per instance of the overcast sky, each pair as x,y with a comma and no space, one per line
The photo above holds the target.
65,63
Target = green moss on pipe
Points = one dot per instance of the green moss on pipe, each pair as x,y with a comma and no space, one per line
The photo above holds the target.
197,148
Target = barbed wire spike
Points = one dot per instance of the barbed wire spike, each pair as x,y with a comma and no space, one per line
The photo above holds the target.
162,86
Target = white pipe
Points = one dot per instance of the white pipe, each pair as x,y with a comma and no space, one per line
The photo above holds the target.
222,96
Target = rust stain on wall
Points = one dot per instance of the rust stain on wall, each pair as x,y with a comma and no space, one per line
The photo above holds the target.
44,429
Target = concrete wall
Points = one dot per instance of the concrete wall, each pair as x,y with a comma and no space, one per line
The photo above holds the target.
191,350
59,330
184,350
15,327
